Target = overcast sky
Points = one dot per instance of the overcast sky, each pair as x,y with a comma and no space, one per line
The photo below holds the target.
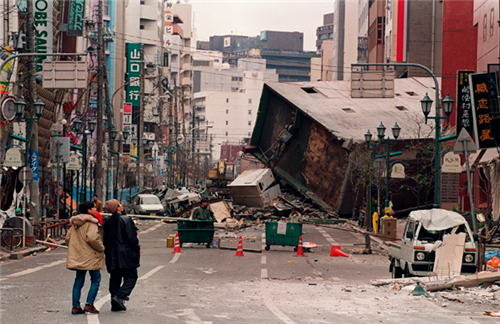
250,17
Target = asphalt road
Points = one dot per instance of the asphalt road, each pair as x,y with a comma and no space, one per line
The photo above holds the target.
213,286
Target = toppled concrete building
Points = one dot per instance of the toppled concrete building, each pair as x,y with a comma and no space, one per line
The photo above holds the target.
305,131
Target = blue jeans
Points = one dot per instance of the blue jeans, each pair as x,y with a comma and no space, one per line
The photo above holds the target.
95,281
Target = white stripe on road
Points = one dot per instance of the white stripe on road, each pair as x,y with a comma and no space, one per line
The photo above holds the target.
263,259
326,235
28,271
263,274
152,272
151,228
94,318
176,257
268,301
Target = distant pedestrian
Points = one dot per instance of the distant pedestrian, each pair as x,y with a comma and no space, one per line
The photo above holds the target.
85,253
203,212
122,254
98,204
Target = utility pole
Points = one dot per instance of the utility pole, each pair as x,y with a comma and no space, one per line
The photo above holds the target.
100,82
33,135
160,84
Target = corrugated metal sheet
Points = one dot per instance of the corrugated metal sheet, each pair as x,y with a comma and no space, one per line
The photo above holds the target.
330,104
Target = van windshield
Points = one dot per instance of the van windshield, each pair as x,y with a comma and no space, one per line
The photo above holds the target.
150,200
432,236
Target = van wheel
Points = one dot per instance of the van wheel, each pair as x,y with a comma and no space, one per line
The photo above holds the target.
397,272
407,271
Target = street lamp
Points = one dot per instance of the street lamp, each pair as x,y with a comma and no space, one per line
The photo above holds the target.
77,126
426,103
20,106
124,138
144,142
396,130
368,138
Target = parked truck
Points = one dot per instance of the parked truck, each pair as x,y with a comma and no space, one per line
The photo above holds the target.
424,230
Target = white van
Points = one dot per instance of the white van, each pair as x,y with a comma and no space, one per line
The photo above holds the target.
147,204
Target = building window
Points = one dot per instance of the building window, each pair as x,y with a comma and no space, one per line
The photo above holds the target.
224,151
485,26
227,122
227,111
227,100
249,134
141,26
492,16
226,133
249,100
249,111
249,123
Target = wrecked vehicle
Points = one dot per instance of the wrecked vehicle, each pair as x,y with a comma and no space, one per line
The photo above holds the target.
254,188
423,235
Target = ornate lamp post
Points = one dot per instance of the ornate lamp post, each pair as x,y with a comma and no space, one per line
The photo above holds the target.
77,126
144,142
124,138
381,136
426,103
20,106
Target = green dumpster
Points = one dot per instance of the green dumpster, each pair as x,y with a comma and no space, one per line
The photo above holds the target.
284,234
195,231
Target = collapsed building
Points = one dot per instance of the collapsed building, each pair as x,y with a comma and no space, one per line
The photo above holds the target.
306,132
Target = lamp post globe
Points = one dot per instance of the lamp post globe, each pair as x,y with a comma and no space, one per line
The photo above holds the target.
381,131
77,125
20,105
114,132
396,130
448,105
125,133
92,124
39,106
426,103
134,140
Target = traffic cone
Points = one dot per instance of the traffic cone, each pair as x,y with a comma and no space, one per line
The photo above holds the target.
335,252
239,251
177,244
300,249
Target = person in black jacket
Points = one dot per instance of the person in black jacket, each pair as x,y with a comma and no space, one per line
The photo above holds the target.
122,253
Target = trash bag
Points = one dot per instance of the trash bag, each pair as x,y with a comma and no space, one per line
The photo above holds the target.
493,262
491,254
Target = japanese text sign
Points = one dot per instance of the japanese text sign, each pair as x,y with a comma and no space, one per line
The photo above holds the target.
487,127
134,70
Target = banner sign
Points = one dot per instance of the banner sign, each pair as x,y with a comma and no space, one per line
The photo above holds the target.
43,24
486,127
76,13
464,104
134,69
34,166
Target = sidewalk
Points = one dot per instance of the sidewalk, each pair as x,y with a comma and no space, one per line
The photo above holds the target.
18,254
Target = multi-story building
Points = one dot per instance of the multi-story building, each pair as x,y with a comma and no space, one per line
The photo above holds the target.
413,33
226,100
283,51
324,32
345,38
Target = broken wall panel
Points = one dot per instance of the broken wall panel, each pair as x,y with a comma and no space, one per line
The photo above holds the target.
324,174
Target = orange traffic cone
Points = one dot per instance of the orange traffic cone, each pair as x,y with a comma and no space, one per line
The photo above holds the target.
300,249
335,252
239,251
177,244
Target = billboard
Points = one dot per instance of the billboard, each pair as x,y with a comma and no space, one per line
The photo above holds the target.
464,103
399,30
486,126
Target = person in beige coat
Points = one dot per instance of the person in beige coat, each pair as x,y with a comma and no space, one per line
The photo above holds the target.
85,253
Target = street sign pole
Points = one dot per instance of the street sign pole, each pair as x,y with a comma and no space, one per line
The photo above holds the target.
466,145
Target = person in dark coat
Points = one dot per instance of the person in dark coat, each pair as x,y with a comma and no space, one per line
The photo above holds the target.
203,212
122,253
